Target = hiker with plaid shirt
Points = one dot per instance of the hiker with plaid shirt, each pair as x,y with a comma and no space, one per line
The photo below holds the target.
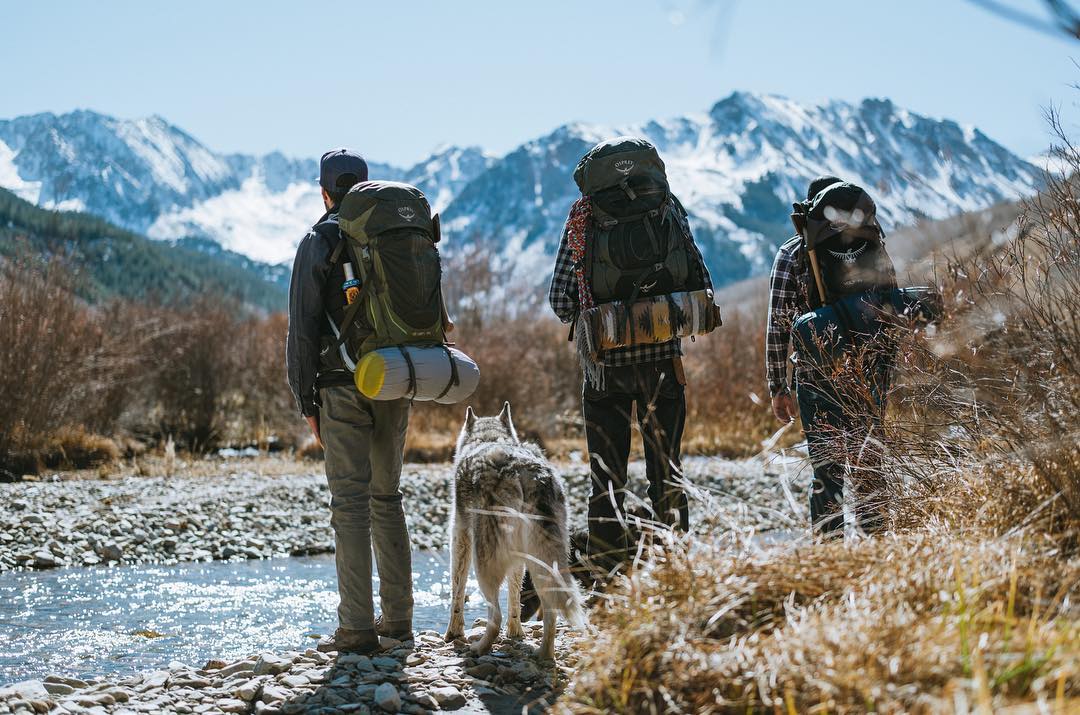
833,434
648,376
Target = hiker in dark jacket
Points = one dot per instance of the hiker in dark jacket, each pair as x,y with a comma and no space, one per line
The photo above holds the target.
363,439
836,435
649,376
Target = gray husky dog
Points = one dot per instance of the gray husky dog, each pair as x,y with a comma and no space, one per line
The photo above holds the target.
509,513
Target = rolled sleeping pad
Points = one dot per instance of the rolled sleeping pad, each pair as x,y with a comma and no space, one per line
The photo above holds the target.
854,320
435,373
656,319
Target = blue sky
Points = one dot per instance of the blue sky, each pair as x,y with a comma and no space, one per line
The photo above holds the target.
397,79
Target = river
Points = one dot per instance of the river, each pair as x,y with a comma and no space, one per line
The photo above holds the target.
111,621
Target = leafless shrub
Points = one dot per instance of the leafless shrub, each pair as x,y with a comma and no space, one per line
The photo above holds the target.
61,363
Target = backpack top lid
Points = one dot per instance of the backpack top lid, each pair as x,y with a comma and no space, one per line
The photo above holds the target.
613,161
841,208
374,207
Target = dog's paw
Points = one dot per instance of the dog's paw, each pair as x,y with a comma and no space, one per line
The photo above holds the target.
515,631
453,632
480,648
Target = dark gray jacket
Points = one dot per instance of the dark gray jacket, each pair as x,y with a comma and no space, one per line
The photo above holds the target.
309,357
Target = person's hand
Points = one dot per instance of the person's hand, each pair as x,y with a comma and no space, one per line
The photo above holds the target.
313,422
783,407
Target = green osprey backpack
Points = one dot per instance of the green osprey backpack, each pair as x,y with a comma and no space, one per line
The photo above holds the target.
638,243
389,237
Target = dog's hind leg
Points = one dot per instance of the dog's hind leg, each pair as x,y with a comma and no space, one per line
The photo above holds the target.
490,577
461,553
513,603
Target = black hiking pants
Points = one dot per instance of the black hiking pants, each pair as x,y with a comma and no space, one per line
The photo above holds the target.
840,436
655,390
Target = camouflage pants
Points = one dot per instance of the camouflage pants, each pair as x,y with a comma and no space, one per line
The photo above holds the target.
365,441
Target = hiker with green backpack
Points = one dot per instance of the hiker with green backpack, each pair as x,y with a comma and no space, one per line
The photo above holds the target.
833,304
632,283
367,337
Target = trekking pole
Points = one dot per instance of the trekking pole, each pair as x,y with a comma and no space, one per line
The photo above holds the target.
812,253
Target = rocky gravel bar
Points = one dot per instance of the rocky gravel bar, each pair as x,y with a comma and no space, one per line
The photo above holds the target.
420,676
246,515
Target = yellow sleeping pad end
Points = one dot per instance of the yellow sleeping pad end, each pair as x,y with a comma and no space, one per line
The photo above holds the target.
370,375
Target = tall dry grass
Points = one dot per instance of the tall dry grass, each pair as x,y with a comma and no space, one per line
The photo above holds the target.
969,601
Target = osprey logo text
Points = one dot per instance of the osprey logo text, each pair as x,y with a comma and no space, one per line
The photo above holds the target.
406,213
647,287
624,166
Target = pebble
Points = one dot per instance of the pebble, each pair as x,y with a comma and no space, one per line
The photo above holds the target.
449,697
387,698
270,664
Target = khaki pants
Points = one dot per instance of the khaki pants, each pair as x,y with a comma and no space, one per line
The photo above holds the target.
365,441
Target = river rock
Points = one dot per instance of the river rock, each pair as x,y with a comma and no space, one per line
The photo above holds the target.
449,697
294,681
270,664
387,698
231,705
45,559
387,663
75,683
273,694
58,688
25,690
360,662
483,671
240,666
248,690
109,551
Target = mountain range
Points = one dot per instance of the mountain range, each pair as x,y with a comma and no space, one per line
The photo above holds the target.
736,168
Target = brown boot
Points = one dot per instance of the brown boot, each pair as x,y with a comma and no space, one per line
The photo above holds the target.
346,640
398,630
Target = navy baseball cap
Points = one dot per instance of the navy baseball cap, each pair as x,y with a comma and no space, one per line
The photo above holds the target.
341,169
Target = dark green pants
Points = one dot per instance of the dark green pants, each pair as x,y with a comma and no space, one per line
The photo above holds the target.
365,441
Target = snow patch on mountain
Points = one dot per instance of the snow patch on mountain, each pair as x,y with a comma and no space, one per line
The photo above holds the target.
254,220
12,181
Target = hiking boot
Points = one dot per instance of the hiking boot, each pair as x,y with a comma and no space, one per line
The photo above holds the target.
398,630
346,640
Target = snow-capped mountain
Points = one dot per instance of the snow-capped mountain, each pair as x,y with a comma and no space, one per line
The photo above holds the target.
736,168
151,177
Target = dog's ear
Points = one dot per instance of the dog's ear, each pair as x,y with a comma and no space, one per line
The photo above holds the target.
470,418
507,420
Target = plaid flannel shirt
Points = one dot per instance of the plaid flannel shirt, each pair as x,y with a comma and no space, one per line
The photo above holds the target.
787,301
563,297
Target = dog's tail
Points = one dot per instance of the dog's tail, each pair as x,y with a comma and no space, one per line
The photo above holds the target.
547,564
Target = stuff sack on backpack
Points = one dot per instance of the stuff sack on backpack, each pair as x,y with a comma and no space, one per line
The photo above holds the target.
840,227
639,240
435,373
391,241
854,323
621,324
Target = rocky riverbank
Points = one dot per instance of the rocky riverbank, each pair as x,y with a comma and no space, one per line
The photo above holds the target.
240,513
420,676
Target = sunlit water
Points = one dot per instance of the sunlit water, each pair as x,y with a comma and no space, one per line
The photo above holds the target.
87,621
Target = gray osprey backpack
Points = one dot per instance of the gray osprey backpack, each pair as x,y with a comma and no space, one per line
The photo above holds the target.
639,241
